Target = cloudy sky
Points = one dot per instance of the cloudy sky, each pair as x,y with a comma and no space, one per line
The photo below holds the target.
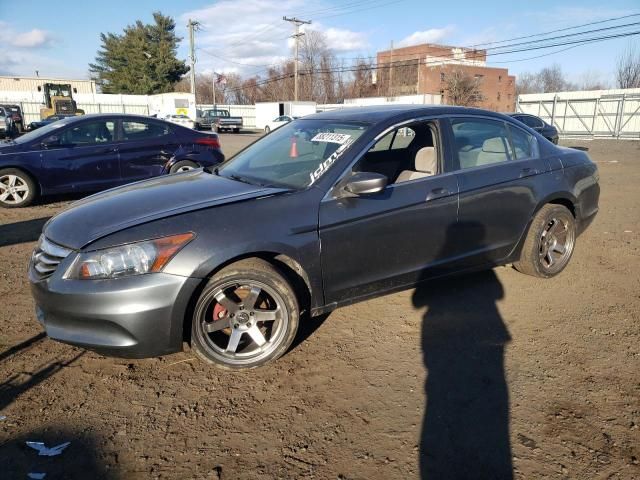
247,36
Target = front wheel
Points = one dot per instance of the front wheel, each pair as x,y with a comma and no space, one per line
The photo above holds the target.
17,189
246,316
549,243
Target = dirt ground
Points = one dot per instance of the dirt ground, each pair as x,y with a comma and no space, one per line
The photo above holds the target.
494,372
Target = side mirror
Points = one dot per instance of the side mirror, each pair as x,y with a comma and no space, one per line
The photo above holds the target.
51,141
365,183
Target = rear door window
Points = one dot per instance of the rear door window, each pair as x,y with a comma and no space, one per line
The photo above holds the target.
480,142
140,130
524,144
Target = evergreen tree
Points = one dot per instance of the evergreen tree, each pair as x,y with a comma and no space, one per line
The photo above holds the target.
142,60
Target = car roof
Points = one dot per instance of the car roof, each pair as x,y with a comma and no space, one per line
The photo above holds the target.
128,116
382,113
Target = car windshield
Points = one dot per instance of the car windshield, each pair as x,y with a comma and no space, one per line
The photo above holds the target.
41,132
295,155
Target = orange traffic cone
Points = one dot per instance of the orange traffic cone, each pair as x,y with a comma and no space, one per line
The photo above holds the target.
293,153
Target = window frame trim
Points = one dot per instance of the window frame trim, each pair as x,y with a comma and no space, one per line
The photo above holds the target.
443,155
455,160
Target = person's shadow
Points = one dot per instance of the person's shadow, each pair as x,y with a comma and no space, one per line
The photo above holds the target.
465,432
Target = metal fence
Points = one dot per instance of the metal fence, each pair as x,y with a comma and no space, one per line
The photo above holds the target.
608,115
31,110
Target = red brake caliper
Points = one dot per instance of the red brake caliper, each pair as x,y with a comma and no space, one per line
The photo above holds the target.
219,312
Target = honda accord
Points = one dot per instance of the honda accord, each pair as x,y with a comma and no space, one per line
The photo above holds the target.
328,210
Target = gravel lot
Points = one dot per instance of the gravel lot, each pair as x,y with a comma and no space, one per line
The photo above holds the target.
538,377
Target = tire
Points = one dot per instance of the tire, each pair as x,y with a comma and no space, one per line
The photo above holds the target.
17,189
267,129
549,244
197,126
183,166
237,339
236,130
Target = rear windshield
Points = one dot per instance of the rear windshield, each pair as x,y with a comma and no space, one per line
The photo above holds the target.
295,155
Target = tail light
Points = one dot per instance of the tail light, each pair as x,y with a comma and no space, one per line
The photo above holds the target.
211,142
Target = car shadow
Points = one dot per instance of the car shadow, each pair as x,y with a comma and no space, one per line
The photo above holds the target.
21,232
307,327
465,430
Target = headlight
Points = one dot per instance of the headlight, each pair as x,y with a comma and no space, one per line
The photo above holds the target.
131,259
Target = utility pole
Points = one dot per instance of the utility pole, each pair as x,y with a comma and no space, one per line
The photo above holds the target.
193,26
214,77
297,22
391,72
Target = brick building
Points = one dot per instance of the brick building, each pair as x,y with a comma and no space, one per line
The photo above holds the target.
425,69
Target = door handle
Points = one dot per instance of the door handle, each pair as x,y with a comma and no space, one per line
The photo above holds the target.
437,193
525,172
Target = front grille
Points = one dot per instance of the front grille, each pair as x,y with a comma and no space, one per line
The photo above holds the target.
64,106
47,256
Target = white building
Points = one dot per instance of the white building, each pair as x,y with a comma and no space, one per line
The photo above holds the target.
36,84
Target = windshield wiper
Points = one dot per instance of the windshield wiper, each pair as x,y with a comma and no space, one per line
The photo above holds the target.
239,178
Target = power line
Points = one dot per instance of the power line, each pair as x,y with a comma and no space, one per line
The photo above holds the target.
574,43
556,31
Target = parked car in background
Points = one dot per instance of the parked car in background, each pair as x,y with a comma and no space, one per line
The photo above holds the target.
50,119
543,128
95,152
218,120
16,117
6,123
182,120
328,210
278,122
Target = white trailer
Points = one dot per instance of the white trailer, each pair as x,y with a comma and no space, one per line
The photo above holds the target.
176,103
268,111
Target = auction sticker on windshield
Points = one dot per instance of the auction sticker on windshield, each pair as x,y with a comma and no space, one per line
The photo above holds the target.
324,166
339,138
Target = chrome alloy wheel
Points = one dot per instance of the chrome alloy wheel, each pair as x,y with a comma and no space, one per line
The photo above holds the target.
242,322
556,244
13,189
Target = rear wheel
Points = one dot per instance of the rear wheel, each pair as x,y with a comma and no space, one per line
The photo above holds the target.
17,189
183,166
267,129
246,316
549,243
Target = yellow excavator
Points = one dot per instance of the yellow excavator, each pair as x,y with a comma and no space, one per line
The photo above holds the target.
58,100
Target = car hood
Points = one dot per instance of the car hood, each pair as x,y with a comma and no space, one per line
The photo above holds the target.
114,210
7,147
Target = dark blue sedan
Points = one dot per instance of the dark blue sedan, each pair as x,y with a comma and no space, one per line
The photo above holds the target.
90,153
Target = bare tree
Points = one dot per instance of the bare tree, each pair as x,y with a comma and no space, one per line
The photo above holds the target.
628,68
552,80
591,80
528,83
463,89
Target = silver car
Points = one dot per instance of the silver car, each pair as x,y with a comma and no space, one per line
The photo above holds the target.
6,123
